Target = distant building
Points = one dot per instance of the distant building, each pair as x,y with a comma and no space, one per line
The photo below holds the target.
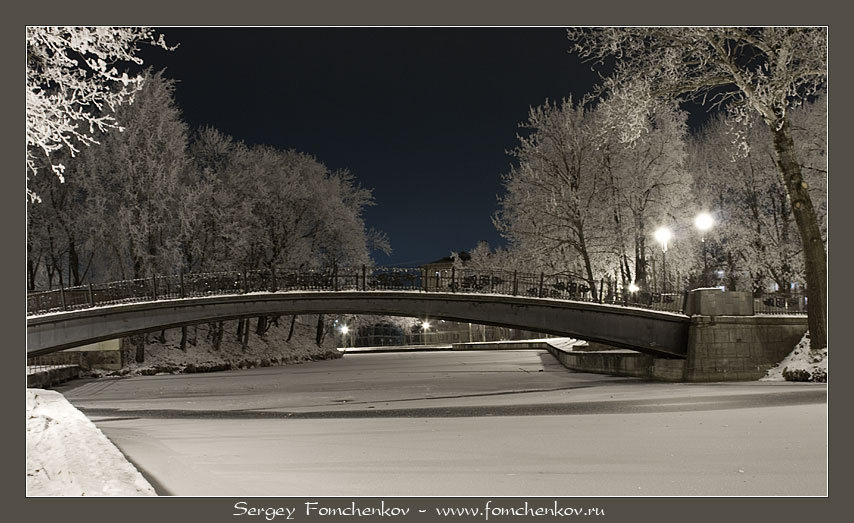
437,274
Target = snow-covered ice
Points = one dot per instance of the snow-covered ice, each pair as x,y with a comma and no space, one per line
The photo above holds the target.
67,455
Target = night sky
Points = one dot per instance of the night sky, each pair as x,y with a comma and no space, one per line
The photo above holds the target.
422,116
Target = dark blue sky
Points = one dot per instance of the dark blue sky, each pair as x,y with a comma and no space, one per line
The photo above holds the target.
423,116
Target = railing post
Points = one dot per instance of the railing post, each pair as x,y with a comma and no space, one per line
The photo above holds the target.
437,281
274,287
154,287
181,292
62,297
91,296
540,293
364,278
515,284
245,283
453,279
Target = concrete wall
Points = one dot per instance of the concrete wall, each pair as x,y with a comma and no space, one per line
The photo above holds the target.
104,355
733,348
622,363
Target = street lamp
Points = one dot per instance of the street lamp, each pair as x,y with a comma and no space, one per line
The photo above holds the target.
662,236
704,222
633,289
425,327
344,331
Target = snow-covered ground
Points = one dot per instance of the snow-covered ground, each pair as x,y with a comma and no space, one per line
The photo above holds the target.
67,455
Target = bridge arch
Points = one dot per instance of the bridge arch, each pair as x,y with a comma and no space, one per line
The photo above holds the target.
653,332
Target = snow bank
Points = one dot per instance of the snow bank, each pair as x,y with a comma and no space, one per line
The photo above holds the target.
67,455
164,355
802,364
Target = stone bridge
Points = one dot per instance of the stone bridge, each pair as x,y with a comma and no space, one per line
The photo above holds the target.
712,335
653,332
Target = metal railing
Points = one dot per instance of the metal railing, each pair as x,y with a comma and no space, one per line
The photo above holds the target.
780,303
472,281
56,360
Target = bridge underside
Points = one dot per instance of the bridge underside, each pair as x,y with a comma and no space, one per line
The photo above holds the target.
660,334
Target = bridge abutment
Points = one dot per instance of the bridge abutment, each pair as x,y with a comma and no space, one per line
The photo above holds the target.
739,348
726,342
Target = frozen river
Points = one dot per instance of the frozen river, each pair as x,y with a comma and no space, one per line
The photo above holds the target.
460,423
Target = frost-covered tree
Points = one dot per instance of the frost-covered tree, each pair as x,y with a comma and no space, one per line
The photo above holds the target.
74,85
145,162
552,196
649,187
582,203
342,237
116,217
208,204
751,72
756,238
82,229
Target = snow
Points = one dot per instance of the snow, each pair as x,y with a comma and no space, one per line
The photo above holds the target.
67,455
811,365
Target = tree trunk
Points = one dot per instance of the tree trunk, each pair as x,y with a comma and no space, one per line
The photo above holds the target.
73,264
219,329
240,330
815,255
319,336
641,275
291,332
244,343
140,348
588,266
32,273
263,326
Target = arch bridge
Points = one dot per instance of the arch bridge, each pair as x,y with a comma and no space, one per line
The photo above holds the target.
68,318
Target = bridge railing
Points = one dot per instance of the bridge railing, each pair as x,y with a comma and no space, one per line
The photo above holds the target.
363,278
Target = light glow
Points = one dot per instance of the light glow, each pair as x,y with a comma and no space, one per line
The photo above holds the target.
704,221
662,236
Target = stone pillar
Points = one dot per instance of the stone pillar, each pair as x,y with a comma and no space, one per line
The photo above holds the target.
715,302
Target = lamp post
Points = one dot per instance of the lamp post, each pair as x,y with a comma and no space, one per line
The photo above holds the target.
704,222
662,236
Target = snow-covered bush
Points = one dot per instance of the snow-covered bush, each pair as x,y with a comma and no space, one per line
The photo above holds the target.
802,364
